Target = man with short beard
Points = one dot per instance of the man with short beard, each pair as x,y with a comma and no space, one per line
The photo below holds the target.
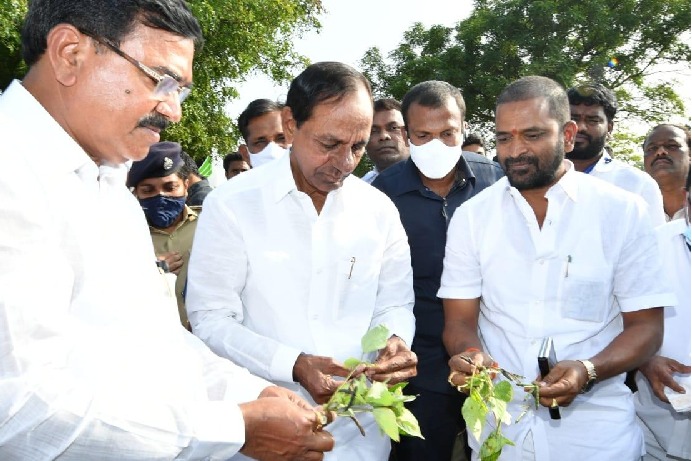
539,249
592,108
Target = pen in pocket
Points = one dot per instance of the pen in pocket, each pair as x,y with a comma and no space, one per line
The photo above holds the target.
353,262
569,260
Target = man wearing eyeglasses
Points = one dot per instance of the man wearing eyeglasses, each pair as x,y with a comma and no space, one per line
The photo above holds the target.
387,143
593,107
94,363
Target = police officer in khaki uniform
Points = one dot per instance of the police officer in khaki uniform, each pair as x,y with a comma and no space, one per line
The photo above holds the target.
161,184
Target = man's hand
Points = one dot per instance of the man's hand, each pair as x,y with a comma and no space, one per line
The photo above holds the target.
279,429
173,259
564,382
462,366
315,372
659,371
395,363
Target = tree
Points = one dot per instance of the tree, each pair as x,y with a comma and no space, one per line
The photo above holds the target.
241,37
624,44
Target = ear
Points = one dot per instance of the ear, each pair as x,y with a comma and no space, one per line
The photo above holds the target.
569,132
67,48
610,127
288,122
242,150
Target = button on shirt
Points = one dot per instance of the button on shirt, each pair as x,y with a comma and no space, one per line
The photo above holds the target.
93,361
269,278
425,216
594,257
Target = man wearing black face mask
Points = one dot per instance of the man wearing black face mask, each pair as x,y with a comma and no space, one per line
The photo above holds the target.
593,107
160,184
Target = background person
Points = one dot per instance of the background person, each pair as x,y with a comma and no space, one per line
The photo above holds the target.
387,143
263,132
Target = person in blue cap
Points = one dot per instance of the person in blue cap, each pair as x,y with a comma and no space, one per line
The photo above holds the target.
160,183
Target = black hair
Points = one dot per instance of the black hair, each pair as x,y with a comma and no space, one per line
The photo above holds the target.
320,82
109,19
535,86
190,166
594,94
433,93
232,157
471,139
384,104
253,110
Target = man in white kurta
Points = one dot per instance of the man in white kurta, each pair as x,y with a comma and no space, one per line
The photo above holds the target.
667,431
273,278
550,252
94,363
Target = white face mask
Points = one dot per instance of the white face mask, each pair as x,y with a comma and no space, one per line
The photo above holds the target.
271,151
435,159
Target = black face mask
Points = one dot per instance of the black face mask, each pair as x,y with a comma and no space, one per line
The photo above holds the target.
162,211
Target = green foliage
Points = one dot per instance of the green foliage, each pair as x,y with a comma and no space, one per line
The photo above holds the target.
567,40
487,398
357,395
242,37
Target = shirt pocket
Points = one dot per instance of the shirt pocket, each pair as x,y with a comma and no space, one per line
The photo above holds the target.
356,287
584,298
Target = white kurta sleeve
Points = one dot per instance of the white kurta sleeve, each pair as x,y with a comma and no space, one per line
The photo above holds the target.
461,273
216,278
395,297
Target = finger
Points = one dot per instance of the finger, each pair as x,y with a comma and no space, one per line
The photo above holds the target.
669,381
319,441
400,362
395,377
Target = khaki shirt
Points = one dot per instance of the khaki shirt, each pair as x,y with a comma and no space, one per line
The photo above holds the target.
180,240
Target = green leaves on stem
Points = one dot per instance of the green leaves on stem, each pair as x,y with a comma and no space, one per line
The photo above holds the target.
358,395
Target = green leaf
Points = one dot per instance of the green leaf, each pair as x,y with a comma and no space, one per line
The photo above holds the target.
408,424
503,391
386,420
375,339
351,363
378,395
474,412
499,409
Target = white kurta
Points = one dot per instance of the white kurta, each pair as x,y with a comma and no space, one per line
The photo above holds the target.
596,246
667,430
94,363
633,180
269,278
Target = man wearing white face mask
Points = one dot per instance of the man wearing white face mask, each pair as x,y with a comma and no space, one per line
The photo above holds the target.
260,125
427,189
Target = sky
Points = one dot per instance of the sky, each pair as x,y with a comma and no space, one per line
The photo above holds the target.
349,28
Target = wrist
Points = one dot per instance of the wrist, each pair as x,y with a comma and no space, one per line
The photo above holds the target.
298,367
591,375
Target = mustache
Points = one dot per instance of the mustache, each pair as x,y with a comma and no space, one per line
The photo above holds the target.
522,159
154,121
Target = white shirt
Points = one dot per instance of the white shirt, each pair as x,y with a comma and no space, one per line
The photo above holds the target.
496,251
633,180
370,176
269,278
94,363
671,429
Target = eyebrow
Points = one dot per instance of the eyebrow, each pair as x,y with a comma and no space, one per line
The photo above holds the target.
170,73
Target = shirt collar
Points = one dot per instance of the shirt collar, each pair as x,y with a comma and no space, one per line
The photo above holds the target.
63,154
567,183
604,163
410,179
284,183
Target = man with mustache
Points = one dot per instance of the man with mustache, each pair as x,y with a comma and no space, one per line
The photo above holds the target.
292,263
593,108
94,364
667,160
387,143
535,255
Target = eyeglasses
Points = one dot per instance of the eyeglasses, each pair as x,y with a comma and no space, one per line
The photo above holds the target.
165,84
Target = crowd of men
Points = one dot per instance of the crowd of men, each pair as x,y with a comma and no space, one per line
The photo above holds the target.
278,272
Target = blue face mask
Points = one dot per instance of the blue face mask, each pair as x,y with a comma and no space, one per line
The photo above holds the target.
162,211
